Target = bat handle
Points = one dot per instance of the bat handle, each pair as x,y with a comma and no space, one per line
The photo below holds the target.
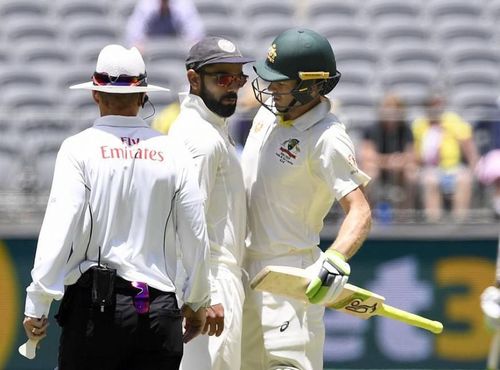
494,352
409,318
28,349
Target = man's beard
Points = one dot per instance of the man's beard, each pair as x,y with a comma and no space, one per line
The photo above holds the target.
216,106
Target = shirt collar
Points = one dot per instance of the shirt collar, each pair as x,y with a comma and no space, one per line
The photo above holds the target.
313,116
195,102
120,121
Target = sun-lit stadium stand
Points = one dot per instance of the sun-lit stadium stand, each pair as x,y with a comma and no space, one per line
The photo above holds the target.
411,47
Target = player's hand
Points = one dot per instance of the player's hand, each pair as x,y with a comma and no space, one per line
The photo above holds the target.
35,328
194,322
329,275
490,304
215,320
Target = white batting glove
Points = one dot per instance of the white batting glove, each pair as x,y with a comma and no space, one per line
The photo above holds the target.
329,275
490,304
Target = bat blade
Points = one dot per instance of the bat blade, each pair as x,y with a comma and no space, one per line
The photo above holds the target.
292,282
28,349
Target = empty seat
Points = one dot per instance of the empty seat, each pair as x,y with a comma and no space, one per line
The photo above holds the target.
413,85
378,10
474,102
355,55
214,27
472,53
25,99
342,31
86,29
440,10
354,76
167,49
396,31
20,8
11,163
223,8
21,77
258,8
357,104
266,29
333,10
74,9
473,77
39,53
457,31
27,30
403,54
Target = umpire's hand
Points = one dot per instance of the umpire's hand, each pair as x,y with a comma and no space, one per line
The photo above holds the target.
195,321
215,320
35,328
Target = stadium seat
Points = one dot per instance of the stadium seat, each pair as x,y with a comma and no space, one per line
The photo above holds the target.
391,31
474,103
165,49
67,11
441,10
265,29
412,54
473,77
354,76
333,10
13,9
357,104
24,29
342,31
379,10
27,99
11,163
230,28
355,55
223,8
457,31
44,53
20,76
472,53
262,8
82,30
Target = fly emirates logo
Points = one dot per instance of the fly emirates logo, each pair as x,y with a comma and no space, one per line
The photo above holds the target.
131,152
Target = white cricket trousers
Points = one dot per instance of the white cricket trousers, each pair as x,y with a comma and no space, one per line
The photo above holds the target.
281,333
223,352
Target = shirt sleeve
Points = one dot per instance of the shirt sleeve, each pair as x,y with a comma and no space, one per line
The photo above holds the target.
65,207
206,158
193,238
335,162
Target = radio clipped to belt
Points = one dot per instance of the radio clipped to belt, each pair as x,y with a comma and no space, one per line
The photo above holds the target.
103,285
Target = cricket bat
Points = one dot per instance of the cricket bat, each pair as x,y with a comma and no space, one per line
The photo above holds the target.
292,282
494,353
28,349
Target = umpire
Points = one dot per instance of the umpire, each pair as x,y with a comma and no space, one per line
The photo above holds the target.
122,196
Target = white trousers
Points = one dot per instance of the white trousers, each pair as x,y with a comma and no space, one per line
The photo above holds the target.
281,333
223,352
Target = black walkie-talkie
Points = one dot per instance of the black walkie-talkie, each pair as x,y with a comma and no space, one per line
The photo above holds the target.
103,284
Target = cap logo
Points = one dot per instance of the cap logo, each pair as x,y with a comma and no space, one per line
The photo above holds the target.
271,53
226,46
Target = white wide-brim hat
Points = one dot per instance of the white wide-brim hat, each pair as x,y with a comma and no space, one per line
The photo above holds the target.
120,66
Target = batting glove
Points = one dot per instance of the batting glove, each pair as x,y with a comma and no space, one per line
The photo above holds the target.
328,282
490,304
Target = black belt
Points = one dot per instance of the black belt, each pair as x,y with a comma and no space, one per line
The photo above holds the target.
122,286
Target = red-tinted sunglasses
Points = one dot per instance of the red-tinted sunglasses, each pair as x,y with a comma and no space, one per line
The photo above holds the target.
227,79
103,79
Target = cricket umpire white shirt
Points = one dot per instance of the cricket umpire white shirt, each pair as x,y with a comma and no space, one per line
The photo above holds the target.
205,135
293,174
126,188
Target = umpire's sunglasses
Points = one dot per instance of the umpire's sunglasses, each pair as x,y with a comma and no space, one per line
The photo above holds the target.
103,79
227,79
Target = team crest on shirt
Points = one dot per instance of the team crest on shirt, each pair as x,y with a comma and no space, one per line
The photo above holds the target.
288,151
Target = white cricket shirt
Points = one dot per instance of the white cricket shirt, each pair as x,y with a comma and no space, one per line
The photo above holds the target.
126,188
205,135
292,175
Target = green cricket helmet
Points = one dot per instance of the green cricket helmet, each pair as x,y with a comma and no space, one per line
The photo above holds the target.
302,55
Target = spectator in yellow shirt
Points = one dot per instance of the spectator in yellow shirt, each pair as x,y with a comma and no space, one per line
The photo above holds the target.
446,151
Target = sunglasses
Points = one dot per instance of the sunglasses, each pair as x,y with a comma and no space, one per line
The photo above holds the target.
103,79
227,79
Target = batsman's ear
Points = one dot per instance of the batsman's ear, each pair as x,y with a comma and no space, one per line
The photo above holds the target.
194,79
